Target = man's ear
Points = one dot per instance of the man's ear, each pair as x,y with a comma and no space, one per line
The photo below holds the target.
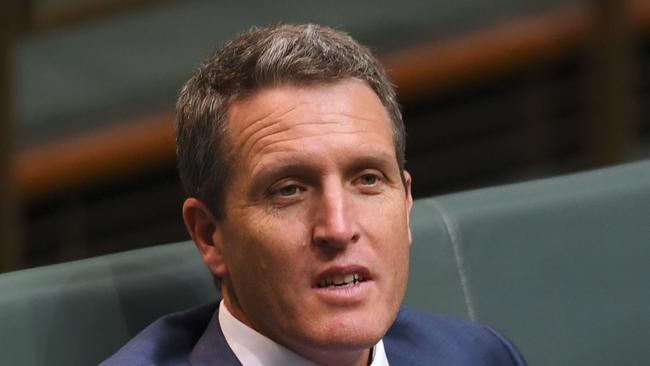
207,234
409,201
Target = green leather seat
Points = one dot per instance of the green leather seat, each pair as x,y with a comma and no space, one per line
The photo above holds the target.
559,265
79,313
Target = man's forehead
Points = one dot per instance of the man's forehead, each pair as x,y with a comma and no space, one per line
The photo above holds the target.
301,109
275,96
275,127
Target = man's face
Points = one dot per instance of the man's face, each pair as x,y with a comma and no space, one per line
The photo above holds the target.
315,238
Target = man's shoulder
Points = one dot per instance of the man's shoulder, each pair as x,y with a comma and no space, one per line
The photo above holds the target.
168,340
418,338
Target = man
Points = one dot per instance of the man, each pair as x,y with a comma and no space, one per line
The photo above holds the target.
291,149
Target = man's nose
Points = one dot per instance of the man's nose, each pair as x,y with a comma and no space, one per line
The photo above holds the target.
335,224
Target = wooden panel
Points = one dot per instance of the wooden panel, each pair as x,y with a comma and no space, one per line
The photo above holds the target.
71,14
490,53
86,159
426,70
612,115
12,21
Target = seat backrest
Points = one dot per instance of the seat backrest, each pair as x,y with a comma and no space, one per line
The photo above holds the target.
79,313
559,265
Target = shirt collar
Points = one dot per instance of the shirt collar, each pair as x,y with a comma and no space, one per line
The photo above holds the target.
254,349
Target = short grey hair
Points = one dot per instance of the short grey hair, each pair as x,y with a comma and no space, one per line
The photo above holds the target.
284,54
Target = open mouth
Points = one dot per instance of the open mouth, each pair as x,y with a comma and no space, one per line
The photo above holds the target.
346,280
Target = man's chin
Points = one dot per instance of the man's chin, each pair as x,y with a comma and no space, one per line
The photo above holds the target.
351,331
336,346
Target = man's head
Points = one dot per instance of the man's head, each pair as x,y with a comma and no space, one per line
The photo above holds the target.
255,60
308,226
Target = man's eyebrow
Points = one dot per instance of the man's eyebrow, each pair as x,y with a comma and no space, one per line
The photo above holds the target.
296,166
280,168
380,160
374,160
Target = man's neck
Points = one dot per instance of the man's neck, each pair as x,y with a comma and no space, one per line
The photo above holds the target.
340,358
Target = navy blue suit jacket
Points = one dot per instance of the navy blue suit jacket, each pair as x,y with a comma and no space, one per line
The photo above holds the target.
194,338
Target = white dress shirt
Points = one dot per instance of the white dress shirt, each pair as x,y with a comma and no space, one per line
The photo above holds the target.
254,349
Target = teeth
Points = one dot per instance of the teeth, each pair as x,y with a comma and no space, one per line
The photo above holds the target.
340,280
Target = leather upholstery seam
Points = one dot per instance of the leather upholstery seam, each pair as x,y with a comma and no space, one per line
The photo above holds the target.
455,240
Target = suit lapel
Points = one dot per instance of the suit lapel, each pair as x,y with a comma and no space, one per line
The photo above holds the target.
212,348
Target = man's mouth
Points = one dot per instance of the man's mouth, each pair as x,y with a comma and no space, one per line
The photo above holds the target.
341,276
344,285
349,279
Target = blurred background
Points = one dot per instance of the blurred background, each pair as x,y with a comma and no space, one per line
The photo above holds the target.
492,91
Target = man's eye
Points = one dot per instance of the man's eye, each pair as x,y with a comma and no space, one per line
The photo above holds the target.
288,191
368,179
